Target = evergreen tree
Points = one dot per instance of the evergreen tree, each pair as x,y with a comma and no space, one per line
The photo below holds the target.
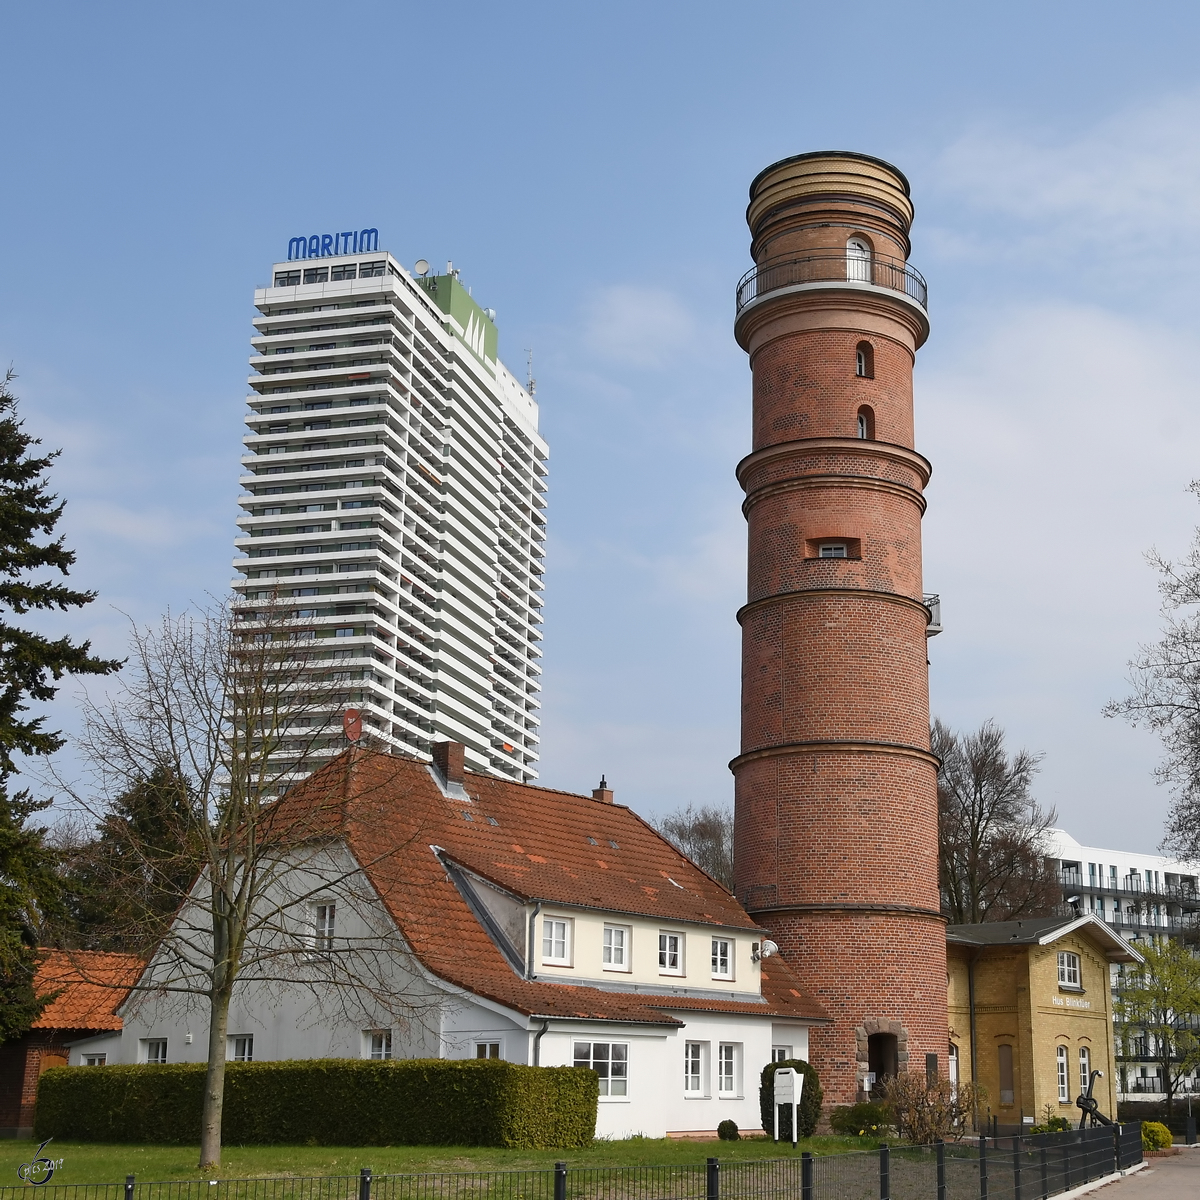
29,898
31,664
123,887
30,667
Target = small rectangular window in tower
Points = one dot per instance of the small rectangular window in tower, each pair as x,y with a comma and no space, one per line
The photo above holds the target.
832,550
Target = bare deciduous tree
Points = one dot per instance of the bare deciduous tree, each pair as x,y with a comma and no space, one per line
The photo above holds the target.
1166,694
705,835
990,829
926,1111
224,713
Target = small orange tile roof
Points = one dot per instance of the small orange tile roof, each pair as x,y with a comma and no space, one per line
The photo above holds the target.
91,986
539,844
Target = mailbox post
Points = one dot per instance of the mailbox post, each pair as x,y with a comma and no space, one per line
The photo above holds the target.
789,1084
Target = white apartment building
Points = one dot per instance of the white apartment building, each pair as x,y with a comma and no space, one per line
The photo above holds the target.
394,488
1143,897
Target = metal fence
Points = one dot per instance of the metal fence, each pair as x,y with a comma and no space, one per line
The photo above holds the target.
1028,1168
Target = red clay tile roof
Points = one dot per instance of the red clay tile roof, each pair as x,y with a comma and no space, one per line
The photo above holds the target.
534,842
91,984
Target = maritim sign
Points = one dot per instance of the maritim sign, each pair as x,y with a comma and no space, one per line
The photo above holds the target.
329,245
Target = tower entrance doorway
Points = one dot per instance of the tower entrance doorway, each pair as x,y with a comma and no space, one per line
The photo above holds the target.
883,1056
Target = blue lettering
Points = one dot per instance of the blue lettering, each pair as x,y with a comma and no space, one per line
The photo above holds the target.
326,245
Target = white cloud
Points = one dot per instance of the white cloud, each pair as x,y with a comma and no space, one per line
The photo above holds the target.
1126,187
637,326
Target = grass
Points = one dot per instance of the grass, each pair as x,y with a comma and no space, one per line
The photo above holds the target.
91,1162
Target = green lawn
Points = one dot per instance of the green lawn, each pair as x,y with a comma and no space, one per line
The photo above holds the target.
90,1162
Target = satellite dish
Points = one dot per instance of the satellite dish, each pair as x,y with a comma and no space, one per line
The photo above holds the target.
421,267
769,948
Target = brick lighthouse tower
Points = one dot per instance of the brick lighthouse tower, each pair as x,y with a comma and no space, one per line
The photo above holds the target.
836,809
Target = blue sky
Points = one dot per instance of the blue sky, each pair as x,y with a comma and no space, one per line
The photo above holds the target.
586,167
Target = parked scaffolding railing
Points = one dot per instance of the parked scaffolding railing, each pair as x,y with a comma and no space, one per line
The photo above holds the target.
1017,1168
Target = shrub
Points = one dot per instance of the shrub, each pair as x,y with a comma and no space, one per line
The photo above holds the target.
860,1120
810,1101
1155,1135
1052,1125
330,1102
926,1112
727,1131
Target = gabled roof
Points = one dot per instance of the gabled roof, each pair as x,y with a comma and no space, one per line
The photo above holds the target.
1042,931
536,843
91,986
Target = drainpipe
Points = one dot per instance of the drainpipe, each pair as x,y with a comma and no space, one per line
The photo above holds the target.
971,1006
537,1042
537,908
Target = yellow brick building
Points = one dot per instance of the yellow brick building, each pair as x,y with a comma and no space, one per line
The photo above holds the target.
1030,1009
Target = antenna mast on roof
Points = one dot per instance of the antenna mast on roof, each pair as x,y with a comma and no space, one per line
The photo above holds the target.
530,382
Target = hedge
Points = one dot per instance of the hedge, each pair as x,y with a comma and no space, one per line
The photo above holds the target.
327,1102
1156,1110
810,1101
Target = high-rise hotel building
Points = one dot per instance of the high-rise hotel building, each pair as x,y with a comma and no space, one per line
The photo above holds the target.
395,493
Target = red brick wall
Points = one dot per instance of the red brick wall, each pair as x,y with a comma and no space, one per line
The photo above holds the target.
21,1065
836,809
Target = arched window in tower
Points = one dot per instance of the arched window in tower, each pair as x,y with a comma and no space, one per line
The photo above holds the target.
858,260
866,423
864,360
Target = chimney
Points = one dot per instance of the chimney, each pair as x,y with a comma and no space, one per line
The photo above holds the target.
603,793
448,758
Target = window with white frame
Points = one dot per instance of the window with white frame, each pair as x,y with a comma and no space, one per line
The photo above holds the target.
556,940
155,1050
241,1047
487,1049
693,1068
781,1053
670,953
95,1060
610,1060
324,920
616,947
722,958
728,1064
858,260
1085,1068
832,550
379,1043
1068,969
1064,1079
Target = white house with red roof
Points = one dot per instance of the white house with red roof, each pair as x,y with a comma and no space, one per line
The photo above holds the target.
487,918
